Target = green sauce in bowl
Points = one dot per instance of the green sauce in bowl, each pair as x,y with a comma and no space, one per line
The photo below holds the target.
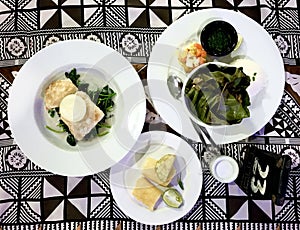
218,38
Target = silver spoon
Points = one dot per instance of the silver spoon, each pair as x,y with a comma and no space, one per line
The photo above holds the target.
175,85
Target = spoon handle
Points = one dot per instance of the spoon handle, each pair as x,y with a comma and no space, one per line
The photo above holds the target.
214,148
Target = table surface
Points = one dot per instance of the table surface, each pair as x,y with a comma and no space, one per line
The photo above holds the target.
32,198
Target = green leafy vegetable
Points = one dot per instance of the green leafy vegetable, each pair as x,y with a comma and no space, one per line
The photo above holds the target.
218,95
73,76
103,98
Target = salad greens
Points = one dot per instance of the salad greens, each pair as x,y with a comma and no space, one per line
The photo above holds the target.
103,98
218,96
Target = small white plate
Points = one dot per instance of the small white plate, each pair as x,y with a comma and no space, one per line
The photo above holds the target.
123,177
257,45
27,116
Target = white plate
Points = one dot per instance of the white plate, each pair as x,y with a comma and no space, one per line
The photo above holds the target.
257,45
124,175
27,116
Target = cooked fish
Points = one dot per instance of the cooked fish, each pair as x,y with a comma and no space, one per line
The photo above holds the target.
56,91
80,128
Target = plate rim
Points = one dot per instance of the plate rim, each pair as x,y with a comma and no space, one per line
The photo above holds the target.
66,169
118,192
154,67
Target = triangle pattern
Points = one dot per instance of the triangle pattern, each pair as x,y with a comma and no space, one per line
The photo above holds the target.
50,190
96,17
134,14
205,3
4,7
118,2
49,19
48,3
54,210
27,214
160,3
4,207
35,206
242,213
89,2
4,195
72,183
95,188
213,212
177,13
247,3
234,205
102,179
88,12
29,4
235,190
141,20
102,210
159,17
81,188
256,214
95,201
177,3
214,187
221,203
224,4
252,12
291,3
265,205
286,212
10,214
80,205
136,3
72,2
71,20
7,22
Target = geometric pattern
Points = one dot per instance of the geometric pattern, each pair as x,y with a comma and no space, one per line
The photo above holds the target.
37,23
32,198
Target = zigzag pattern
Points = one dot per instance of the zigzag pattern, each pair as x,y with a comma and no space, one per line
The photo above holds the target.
8,24
96,19
102,179
213,212
9,3
270,21
287,19
115,17
23,3
27,21
31,187
10,215
196,213
10,185
102,210
212,186
27,215
287,213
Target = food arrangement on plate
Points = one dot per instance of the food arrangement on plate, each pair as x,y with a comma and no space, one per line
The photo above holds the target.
159,180
77,109
216,91
155,183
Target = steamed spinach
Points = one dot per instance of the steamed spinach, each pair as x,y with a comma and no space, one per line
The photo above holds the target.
218,95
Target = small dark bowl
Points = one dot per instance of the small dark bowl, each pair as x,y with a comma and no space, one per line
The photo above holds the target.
218,38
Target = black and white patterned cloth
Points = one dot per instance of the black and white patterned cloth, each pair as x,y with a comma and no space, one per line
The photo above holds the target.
32,198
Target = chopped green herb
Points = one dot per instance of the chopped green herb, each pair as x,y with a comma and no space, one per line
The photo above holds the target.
54,130
52,112
179,181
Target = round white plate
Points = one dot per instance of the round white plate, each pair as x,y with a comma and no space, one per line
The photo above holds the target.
27,117
123,177
257,45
